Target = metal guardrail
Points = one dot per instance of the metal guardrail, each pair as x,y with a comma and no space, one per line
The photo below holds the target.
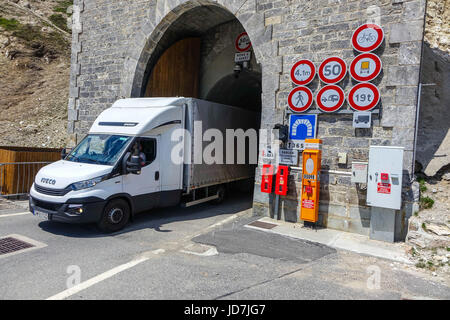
16,178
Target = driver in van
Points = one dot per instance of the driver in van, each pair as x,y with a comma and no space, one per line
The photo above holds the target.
137,151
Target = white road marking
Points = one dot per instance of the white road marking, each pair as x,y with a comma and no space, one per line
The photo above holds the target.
13,214
108,274
103,276
210,252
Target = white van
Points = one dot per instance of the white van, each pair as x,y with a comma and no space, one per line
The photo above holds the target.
124,165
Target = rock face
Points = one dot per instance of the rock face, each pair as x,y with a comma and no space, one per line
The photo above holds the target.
433,141
437,31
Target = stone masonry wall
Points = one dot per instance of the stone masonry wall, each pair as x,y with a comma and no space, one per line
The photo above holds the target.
115,39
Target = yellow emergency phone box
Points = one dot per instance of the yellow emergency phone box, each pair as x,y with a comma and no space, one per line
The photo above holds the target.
312,159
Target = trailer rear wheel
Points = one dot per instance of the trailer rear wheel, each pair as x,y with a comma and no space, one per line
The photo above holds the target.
115,216
221,193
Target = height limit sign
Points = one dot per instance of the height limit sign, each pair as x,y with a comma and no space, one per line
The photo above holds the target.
303,72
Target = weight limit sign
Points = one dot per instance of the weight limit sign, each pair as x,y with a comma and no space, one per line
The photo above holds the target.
363,97
330,98
300,99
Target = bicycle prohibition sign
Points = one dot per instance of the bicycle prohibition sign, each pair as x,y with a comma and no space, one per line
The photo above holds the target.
367,37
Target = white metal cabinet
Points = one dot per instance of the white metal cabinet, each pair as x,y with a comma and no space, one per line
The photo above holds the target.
384,183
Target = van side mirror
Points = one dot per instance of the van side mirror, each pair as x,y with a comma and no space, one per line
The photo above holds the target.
63,153
133,165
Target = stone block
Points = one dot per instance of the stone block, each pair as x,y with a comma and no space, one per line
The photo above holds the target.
405,32
403,75
410,53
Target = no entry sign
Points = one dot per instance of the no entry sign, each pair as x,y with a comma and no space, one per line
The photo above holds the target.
300,99
303,72
330,98
363,97
365,67
243,42
332,70
367,37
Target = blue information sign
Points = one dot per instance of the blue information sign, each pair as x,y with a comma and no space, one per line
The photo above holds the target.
301,127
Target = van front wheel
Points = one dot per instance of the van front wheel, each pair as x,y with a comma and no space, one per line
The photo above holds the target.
115,216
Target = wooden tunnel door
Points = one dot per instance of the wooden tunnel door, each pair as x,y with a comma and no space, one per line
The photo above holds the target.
177,71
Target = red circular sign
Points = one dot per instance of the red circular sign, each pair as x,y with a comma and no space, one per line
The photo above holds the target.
367,37
365,67
300,99
303,72
330,98
332,70
363,97
243,42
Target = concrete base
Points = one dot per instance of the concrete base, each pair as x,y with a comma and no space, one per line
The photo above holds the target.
382,224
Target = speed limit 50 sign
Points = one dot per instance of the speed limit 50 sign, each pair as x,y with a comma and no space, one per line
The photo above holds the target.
332,70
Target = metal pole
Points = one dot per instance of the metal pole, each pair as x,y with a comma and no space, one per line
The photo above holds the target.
277,204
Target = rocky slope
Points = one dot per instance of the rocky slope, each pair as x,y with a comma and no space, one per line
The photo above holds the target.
34,73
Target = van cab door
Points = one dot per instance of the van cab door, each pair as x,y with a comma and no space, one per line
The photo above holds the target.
145,187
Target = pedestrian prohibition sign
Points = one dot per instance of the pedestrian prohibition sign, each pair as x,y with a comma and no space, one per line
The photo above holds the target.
367,37
303,72
300,99
330,98
363,97
365,67
332,70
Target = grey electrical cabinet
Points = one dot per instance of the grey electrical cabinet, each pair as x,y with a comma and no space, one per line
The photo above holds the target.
384,182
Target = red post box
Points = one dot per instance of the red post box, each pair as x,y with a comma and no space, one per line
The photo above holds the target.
267,178
282,180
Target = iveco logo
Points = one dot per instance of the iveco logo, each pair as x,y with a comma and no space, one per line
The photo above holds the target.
48,181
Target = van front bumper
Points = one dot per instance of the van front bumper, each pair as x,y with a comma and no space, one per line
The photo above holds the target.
80,210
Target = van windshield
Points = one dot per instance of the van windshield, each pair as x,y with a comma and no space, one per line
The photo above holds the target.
102,149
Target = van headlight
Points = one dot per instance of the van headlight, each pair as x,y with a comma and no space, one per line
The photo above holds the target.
87,183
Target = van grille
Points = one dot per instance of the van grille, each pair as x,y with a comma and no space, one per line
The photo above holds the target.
52,206
51,192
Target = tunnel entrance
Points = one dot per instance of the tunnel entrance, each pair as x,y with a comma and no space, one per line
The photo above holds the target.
195,58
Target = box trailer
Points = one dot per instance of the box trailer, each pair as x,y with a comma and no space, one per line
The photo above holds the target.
143,153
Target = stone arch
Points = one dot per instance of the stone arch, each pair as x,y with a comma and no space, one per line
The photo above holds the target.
165,12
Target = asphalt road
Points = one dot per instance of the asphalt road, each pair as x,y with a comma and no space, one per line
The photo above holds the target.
202,252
